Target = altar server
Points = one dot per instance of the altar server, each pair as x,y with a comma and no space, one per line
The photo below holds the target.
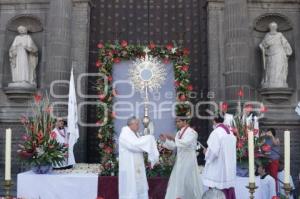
132,175
184,182
228,118
250,119
62,137
267,183
220,167
280,179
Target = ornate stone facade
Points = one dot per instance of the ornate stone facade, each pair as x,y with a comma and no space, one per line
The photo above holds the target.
222,35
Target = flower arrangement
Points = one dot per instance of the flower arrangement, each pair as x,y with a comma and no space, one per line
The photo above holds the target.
241,129
110,54
39,147
166,161
260,149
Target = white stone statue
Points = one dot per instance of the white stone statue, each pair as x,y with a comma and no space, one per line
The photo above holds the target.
23,55
275,51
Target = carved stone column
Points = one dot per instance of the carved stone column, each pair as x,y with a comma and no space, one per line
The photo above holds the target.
59,28
238,67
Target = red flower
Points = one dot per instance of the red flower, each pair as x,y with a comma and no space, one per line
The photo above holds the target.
110,78
101,97
241,93
53,135
182,98
108,150
240,144
25,154
37,98
40,135
186,51
114,52
124,43
255,131
185,68
116,60
66,145
266,148
169,46
107,165
177,83
275,197
263,109
224,106
99,122
98,63
248,108
190,87
166,60
100,45
113,114
152,45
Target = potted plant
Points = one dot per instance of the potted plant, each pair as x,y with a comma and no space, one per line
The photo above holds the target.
39,149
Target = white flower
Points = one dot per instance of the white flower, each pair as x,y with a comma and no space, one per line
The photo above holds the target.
173,50
40,151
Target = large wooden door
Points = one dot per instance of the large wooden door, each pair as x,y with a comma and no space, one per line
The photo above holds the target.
160,21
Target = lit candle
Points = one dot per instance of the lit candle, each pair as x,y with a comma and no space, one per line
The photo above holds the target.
8,154
287,158
251,157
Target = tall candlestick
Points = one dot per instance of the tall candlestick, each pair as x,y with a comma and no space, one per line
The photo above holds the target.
8,154
251,157
287,158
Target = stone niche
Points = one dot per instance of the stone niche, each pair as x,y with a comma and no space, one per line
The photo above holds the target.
261,23
20,92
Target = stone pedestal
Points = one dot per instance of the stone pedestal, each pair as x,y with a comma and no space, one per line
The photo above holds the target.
20,92
276,95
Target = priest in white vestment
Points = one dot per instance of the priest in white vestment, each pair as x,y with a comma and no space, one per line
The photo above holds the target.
184,182
132,175
220,155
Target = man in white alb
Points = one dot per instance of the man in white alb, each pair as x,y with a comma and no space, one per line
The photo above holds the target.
220,155
184,182
132,175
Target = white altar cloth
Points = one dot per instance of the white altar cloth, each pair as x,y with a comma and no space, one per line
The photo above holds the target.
57,186
85,185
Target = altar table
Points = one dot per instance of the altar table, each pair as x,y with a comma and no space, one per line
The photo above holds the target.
57,186
89,186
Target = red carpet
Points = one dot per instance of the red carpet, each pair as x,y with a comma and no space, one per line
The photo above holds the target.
108,187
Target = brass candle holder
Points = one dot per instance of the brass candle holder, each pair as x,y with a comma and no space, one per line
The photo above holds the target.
251,188
7,187
287,188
